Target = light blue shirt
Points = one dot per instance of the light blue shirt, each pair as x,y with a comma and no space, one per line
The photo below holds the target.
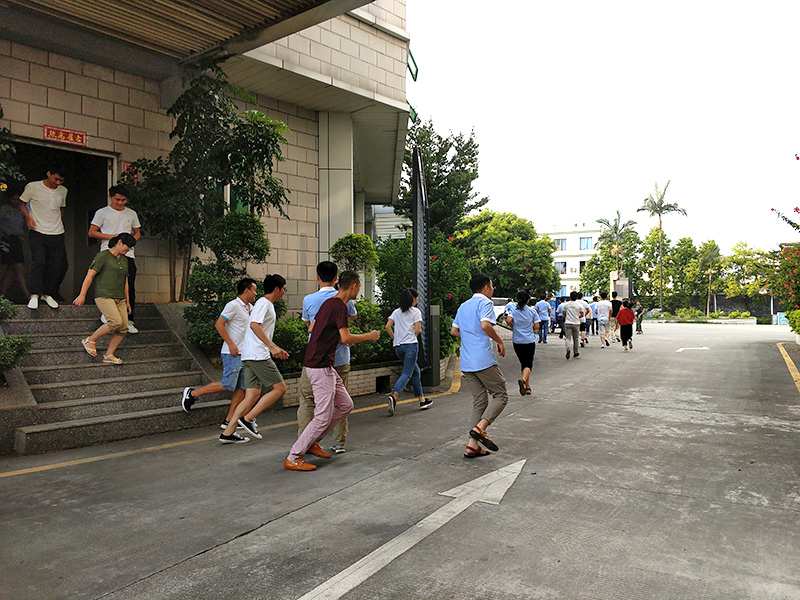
593,308
543,308
522,325
311,305
476,347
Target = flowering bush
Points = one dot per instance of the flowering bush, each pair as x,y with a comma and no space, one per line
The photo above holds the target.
784,281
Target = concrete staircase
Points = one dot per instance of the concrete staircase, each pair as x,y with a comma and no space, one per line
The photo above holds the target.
81,401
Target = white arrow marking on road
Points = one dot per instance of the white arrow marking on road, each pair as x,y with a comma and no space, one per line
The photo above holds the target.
489,488
682,349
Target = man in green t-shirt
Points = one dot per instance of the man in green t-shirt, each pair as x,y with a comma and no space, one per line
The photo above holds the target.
109,272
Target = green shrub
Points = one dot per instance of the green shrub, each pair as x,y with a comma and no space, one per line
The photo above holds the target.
689,313
291,334
7,309
764,320
793,316
370,317
12,350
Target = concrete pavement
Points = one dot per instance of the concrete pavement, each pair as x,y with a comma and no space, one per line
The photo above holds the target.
648,474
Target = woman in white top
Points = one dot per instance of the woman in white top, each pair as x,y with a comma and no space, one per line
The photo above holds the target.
407,323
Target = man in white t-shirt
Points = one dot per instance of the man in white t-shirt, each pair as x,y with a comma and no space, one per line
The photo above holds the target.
573,311
44,203
231,325
586,319
603,309
260,371
114,219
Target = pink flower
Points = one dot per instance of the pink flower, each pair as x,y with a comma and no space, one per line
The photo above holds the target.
450,239
797,209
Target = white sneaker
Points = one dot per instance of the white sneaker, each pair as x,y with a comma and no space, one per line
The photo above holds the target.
132,327
103,319
50,301
33,303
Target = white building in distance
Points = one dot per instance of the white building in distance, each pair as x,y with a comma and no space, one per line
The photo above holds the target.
574,247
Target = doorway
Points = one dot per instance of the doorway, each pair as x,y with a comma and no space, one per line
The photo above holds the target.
87,180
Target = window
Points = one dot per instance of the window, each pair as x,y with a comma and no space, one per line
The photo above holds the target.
583,264
562,267
586,243
563,291
560,244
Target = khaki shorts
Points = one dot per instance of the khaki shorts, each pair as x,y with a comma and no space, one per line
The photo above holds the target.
261,374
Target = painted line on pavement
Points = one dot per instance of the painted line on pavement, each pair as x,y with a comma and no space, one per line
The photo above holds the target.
455,385
790,365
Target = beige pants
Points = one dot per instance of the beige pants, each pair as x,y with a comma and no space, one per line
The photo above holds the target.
481,384
612,321
116,314
305,410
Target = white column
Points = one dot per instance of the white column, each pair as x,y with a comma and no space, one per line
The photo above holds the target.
336,202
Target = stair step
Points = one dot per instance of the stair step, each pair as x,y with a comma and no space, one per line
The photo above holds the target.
128,352
37,439
70,325
68,310
91,368
85,408
57,341
50,392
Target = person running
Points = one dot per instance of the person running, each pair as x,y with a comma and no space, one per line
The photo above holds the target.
260,371
474,324
560,319
639,312
543,309
231,325
603,309
572,324
407,324
109,273
585,319
593,308
326,280
332,402
625,318
612,319
108,222
524,322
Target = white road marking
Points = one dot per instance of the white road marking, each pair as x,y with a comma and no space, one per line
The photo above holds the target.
489,488
682,349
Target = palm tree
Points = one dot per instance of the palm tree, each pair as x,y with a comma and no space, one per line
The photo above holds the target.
615,235
657,206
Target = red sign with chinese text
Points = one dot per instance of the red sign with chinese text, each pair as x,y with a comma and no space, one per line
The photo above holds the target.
64,136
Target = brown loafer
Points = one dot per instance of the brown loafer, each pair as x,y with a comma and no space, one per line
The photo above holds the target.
317,450
300,465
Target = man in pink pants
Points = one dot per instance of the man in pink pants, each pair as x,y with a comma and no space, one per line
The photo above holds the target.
332,402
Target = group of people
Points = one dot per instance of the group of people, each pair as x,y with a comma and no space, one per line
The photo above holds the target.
250,373
39,207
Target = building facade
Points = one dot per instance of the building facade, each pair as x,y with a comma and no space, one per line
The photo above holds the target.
338,84
574,247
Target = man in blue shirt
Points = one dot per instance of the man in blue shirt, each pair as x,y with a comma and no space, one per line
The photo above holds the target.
543,309
326,278
474,324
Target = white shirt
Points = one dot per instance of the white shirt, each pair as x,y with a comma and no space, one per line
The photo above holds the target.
44,206
572,312
404,325
237,315
263,313
111,221
586,309
603,309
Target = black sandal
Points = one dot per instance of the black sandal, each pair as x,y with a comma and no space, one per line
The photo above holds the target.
475,452
480,435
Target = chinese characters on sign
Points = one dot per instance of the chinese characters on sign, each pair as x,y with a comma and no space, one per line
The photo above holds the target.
64,136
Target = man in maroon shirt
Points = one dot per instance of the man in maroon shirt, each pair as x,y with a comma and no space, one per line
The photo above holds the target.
333,403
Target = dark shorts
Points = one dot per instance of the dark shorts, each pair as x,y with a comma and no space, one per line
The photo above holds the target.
525,354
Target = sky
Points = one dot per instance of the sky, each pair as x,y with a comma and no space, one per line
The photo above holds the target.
581,107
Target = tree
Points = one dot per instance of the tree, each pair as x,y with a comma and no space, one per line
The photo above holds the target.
710,260
450,168
355,252
508,249
657,206
597,271
745,272
648,263
683,272
8,167
177,197
615,235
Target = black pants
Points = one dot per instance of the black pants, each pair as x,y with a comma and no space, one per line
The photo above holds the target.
131,285
626,332
49,263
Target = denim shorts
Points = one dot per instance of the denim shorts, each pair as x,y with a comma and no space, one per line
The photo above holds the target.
232,372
